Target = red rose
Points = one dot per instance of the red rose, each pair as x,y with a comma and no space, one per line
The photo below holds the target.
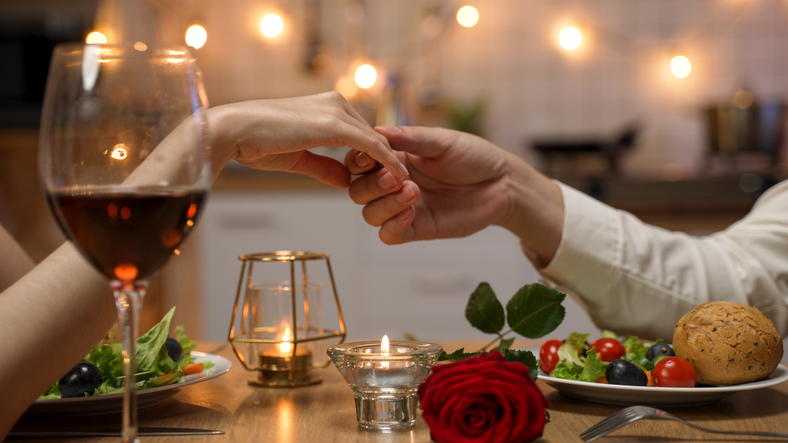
483,399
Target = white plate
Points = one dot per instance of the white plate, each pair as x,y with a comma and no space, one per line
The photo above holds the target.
656,396
113,403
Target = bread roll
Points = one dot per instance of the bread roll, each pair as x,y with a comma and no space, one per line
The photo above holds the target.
728,343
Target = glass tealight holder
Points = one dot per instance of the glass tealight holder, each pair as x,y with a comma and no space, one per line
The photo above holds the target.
385,384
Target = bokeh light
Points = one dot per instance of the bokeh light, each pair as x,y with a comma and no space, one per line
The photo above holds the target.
468,16
346,86
365,77
196,36
271,25
96,38
680,66
743,99
570,38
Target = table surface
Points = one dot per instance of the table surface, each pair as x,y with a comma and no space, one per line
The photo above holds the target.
325,413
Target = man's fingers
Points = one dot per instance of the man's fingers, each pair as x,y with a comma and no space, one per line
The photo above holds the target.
398,229
377,212
373,186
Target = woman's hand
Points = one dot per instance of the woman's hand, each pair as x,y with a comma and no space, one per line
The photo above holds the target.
275,134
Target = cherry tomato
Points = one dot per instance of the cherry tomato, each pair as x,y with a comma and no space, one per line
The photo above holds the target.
674,372
608,349
548,355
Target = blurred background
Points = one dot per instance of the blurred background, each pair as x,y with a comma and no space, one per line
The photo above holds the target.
673,110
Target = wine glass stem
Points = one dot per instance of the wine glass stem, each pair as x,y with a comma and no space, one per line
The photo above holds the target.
128,299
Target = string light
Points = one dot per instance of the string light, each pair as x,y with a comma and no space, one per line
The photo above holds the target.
570,38
96,38
196,36
680,66
271,25
467,16
365,77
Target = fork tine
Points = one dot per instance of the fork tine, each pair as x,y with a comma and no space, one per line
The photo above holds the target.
611,423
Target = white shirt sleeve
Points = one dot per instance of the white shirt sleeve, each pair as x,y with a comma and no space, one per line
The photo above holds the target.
635,278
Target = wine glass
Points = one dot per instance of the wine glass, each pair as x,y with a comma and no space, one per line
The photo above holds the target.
123,160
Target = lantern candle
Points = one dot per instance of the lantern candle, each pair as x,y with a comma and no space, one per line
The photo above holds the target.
280,366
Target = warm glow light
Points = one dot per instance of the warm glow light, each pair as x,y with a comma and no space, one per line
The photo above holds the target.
384,350
96,38
468,16
680,66
271,25
743,99
119,152
196,36
570,38
140,46
345,86
286,347
366,76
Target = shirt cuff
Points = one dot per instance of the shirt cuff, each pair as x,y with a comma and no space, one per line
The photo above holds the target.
590,249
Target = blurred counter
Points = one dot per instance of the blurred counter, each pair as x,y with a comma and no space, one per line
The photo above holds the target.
697,206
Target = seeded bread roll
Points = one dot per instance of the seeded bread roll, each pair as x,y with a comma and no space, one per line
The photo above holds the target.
728,343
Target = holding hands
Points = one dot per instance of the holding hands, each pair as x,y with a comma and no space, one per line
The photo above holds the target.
458,184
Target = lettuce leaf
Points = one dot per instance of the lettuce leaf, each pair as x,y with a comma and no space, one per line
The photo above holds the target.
150,345
592,368
571,350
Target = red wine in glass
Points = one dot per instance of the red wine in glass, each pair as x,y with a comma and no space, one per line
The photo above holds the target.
127,236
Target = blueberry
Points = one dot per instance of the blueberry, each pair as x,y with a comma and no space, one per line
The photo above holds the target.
624,372
659,349
174,349
83,379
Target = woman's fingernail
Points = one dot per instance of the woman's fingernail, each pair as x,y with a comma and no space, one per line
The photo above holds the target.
405,194
389,128
363,160
387,181
403,170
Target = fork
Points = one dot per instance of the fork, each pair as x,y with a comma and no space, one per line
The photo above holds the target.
634,413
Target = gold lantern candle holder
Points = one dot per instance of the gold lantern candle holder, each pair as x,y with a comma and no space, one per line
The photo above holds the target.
277,327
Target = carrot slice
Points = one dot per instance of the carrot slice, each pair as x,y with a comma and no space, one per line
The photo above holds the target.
193,368
601,379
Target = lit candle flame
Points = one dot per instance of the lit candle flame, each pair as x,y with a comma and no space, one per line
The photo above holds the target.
384,350
286,347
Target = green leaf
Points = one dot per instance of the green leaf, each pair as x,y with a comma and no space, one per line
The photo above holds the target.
484,311
150,345
457,355
535,310
187,345
525,357
608,334
594,367
506,343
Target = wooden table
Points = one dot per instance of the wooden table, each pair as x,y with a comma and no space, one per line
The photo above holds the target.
325,413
